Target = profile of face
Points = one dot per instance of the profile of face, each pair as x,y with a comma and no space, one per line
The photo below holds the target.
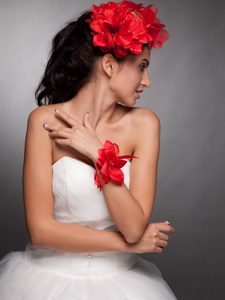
130,77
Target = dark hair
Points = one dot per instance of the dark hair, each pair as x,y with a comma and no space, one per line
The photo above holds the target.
71,62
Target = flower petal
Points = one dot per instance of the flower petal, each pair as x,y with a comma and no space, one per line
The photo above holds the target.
116,175
125,26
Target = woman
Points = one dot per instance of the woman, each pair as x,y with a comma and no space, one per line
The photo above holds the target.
87,205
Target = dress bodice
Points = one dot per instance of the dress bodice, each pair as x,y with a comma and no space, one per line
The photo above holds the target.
48,272
77,198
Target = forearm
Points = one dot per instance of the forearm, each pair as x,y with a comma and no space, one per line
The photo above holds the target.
75,238
124,210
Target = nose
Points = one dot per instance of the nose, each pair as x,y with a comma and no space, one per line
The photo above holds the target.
145,80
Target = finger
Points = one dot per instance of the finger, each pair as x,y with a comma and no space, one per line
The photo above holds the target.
86,121
60,134
172,228
51,127
169,229
163,236
165,227
69,130
162,243
159,250
64,142
66,118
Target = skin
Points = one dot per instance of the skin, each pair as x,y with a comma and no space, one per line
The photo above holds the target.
109,98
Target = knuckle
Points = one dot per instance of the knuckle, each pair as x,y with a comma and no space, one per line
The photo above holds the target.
155,240
156,232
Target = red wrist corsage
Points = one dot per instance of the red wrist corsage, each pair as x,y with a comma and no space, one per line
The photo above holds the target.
110,164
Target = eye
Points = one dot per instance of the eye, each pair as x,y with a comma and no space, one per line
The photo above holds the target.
142,67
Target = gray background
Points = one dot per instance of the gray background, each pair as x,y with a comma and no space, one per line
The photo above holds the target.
187,94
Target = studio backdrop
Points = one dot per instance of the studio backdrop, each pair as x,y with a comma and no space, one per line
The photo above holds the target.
187,93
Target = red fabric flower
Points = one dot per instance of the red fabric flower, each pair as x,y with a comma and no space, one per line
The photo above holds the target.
126,26
109,164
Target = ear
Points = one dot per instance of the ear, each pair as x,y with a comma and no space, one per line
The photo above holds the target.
109,64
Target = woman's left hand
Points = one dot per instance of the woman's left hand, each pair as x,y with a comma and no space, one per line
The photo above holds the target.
82,138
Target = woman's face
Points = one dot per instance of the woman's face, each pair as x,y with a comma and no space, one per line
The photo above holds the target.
131,77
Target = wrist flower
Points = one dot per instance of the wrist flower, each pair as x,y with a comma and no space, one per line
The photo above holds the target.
125,26
109,164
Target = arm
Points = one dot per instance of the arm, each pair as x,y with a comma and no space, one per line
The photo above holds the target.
131,208
43,229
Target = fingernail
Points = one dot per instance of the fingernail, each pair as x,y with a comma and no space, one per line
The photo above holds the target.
57,110
168,222
45,125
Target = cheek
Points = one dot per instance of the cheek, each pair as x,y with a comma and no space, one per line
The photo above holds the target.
129,79
125,82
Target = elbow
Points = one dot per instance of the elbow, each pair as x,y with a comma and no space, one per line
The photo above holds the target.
133,237
38,236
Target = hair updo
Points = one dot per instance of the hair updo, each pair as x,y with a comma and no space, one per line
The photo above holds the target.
71,62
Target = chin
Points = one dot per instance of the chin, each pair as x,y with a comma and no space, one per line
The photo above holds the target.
128,102
132,104
122,103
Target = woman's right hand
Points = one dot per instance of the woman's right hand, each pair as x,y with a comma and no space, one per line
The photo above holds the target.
154,239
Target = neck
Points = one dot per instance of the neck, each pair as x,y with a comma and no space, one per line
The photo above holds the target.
96,100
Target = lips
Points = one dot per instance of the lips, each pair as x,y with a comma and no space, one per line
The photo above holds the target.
138,93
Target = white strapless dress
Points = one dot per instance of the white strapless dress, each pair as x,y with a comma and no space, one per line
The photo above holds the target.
46,274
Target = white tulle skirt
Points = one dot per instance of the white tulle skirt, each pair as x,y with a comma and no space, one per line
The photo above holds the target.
44,274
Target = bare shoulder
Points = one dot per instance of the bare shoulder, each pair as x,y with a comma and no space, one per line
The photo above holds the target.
42,114
144,119
38,145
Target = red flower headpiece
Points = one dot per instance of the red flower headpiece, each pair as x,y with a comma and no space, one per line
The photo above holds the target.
126,26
